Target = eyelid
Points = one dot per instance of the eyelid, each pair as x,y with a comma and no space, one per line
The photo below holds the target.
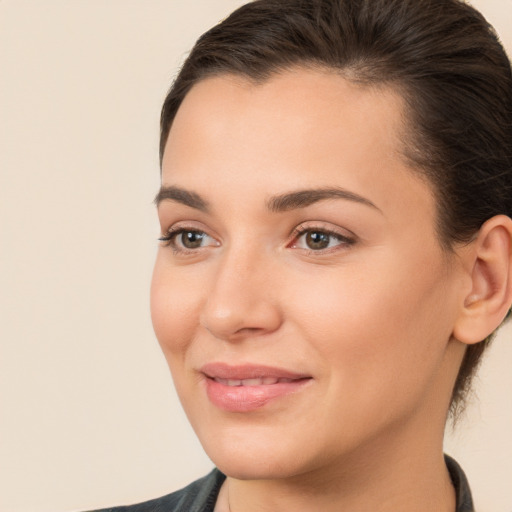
169,236
345,237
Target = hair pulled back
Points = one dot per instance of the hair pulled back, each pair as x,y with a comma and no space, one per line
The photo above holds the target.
441,55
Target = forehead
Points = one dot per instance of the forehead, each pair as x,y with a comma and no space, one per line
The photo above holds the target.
302,101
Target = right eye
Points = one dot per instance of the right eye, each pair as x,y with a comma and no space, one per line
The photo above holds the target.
183,240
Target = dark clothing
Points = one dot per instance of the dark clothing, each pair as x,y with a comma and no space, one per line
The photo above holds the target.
460,482
201,495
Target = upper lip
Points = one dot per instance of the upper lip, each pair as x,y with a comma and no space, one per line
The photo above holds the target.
248,371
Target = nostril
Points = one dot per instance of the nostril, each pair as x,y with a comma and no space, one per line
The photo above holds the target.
249,330
237,308
234,334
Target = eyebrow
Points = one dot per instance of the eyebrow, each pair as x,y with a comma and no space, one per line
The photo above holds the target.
280,203
180,195
304,198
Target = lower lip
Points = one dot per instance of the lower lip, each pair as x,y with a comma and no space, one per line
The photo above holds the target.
249,398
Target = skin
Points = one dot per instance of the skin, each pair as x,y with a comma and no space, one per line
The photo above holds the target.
370,318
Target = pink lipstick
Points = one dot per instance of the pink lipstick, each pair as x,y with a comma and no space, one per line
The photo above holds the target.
246,388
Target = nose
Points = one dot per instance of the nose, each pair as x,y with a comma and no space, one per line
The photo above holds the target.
242,300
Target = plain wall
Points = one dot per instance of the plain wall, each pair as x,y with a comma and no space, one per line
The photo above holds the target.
88,415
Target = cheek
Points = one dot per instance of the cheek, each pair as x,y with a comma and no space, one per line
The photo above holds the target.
378,322
174,309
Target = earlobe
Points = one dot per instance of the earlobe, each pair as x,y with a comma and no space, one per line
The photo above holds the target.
490,267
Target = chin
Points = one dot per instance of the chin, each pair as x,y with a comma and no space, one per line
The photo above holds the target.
253,467
256,453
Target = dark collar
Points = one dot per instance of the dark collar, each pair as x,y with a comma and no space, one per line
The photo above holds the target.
460,482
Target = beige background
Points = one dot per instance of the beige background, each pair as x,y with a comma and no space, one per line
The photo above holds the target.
88,416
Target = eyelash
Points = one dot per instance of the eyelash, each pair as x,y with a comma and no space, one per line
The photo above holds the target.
172,233
300,231
169,239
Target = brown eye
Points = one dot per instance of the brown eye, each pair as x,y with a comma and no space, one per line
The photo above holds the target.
191,239
317,240
188,240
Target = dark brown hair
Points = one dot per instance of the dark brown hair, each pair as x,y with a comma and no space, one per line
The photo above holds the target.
443,57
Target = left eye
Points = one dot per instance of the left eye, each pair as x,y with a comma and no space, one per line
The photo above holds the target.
317,240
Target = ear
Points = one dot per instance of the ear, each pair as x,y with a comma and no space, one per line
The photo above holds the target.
489,264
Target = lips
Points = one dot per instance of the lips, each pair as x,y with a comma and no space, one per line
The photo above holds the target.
249,387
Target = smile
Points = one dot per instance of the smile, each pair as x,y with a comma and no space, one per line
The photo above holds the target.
249,387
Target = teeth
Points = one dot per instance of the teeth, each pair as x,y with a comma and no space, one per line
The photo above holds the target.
262,381
254,382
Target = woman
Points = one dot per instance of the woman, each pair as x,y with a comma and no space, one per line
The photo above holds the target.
336,249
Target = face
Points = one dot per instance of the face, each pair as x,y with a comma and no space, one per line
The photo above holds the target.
300,294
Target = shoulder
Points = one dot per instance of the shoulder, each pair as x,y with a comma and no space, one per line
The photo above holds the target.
199,496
